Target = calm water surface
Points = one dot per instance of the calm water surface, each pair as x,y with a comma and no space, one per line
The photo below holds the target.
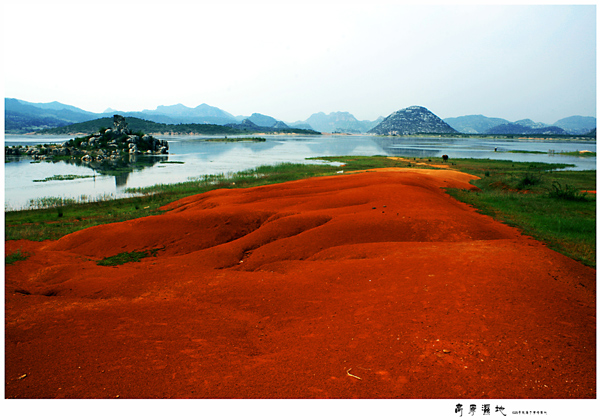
195,157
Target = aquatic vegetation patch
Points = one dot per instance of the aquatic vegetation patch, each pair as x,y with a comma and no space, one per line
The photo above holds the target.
582,153
69,177
234,139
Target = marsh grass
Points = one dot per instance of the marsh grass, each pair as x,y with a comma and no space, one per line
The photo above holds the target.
262,175
55,202
49,202
63,178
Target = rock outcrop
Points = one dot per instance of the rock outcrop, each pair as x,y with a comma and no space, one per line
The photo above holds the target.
105,144
412,120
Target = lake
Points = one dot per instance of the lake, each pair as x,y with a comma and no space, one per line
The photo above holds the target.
190,157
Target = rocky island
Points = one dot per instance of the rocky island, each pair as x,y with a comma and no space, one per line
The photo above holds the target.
110,143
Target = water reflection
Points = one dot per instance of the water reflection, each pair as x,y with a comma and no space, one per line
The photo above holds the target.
120,168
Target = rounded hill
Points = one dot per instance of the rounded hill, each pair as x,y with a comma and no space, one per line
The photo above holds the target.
412,120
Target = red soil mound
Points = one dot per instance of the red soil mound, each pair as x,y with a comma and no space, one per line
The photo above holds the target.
372,285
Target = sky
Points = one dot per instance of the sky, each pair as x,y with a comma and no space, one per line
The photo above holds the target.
291,59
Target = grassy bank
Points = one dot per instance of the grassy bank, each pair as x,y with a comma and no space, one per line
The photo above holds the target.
63,217
551,206
542,202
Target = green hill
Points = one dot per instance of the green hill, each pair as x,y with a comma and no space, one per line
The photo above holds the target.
151,127
137,124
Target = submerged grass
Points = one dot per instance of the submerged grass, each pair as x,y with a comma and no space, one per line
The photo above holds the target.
541,201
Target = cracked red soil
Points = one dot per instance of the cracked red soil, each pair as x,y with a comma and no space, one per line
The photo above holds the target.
370,285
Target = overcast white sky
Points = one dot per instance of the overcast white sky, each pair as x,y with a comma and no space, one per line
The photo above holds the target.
291,59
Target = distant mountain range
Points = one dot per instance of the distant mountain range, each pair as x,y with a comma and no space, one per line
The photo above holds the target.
479,124
26,117
339,122
181,114
515,129
155,128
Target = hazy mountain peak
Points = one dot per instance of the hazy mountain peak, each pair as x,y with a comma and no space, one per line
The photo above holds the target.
577,124
173,108
340,121
530,123
412,120
262,120
474,124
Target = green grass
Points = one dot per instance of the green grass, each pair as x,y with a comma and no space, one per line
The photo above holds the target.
127,257
18,255
534,197
547,205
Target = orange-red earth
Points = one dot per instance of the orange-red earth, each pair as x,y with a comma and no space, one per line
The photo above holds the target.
369,285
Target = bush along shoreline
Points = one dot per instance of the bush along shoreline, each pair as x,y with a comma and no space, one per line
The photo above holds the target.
111,143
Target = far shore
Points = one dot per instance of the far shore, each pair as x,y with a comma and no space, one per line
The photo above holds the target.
448,136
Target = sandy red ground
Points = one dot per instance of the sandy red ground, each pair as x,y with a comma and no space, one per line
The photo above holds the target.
372,285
